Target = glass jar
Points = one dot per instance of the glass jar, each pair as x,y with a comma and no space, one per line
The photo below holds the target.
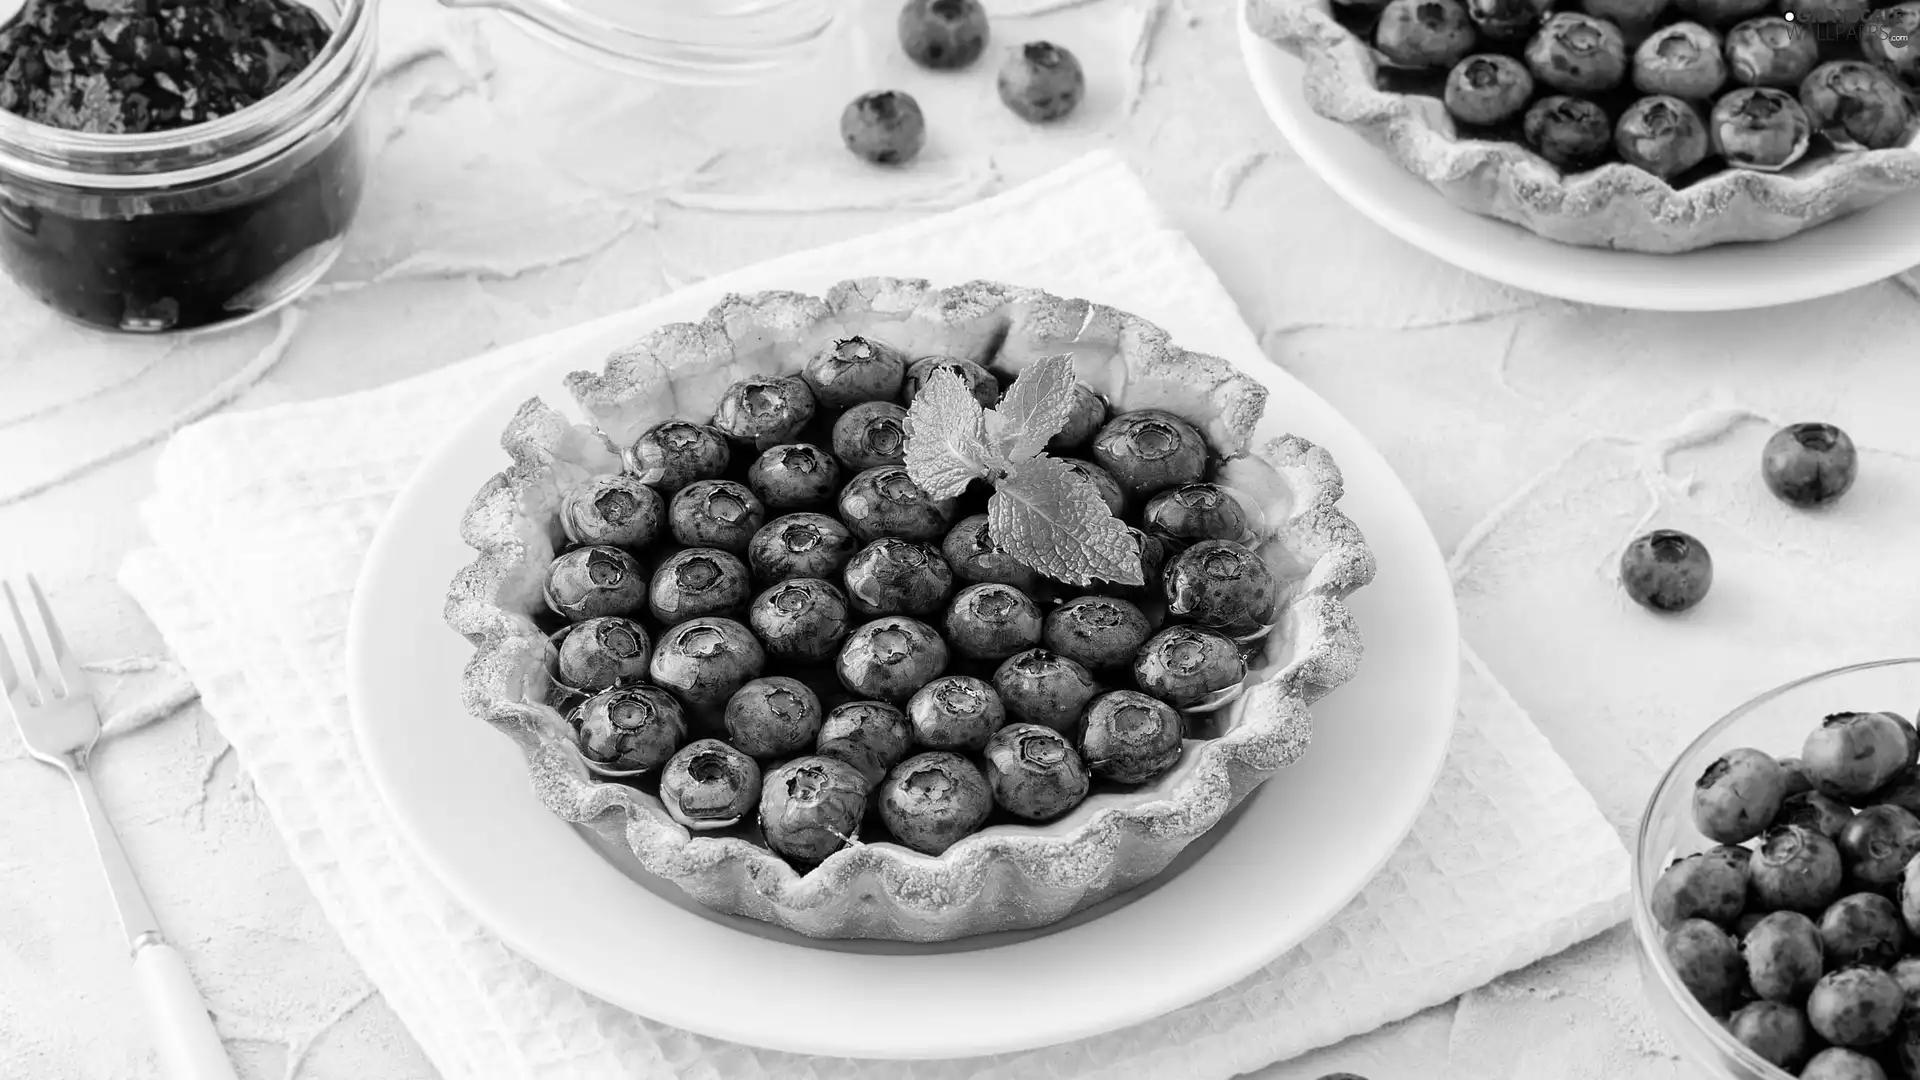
693,42
201,226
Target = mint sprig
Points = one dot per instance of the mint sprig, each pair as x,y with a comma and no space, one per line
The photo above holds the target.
1042,513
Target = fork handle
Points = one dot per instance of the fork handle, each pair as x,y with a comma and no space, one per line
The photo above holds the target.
183,1035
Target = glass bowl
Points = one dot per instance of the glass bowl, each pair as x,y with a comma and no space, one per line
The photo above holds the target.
1776,722
694,42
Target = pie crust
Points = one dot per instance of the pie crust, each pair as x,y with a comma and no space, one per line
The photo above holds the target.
1003,877
1614,206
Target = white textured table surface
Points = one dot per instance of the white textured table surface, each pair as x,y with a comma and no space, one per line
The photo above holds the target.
518,192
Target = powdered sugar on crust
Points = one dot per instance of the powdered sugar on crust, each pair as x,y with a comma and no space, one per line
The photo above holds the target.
1001,878
1614,206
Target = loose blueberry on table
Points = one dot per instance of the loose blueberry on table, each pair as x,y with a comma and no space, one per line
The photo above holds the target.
885,666
1800,930
1683,89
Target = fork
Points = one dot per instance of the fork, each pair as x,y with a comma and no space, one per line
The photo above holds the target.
53,705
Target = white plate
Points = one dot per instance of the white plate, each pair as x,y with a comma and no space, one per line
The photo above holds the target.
1303,847
1856,250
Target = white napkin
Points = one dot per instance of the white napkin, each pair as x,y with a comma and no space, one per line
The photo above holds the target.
261,520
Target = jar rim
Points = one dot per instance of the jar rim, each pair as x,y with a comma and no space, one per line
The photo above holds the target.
54,155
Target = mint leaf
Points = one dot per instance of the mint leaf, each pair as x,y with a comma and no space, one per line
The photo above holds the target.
947,437
1053,520
1036,407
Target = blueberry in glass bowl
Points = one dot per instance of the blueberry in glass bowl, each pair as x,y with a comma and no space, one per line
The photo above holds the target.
1817,948
203,178
828,697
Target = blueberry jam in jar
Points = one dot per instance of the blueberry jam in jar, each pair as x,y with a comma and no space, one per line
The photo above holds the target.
174,165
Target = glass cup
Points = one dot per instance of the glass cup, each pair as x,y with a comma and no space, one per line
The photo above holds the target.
198,227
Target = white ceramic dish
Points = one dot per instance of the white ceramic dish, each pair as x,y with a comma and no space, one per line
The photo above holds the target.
1833,258
1298,851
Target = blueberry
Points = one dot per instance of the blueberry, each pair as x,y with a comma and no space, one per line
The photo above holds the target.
1902,791
884,127
773,717
1797,781
1821,813
1737,796
1041,82
955,712
1103,482
1708,962
1570,132
1856,1006
1784,955
1863,928
801,620
898,577
1876,845
1770,51
1666,570
800,545
616,509
1853,753
1682,59
870,435
886,502
794,475
1661,134
1040,687
871,736
974,557
1776,1032
1747,920
944,35
1711,885
1034,772
1506,20
1906,972
1150,596
629,729
1794,869
696,582
1577,54
1129,738
1756,127
980,381
763,411
589,582
716,514
1891,43
1809,464
929,801
1857,105
705,660
1221,584
1085,417
992,622
851,371
891,657
1839,1063
1149,451
1189,666
710,785
1488,89
1431,34
672,455
1096,631
811,807
600,653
